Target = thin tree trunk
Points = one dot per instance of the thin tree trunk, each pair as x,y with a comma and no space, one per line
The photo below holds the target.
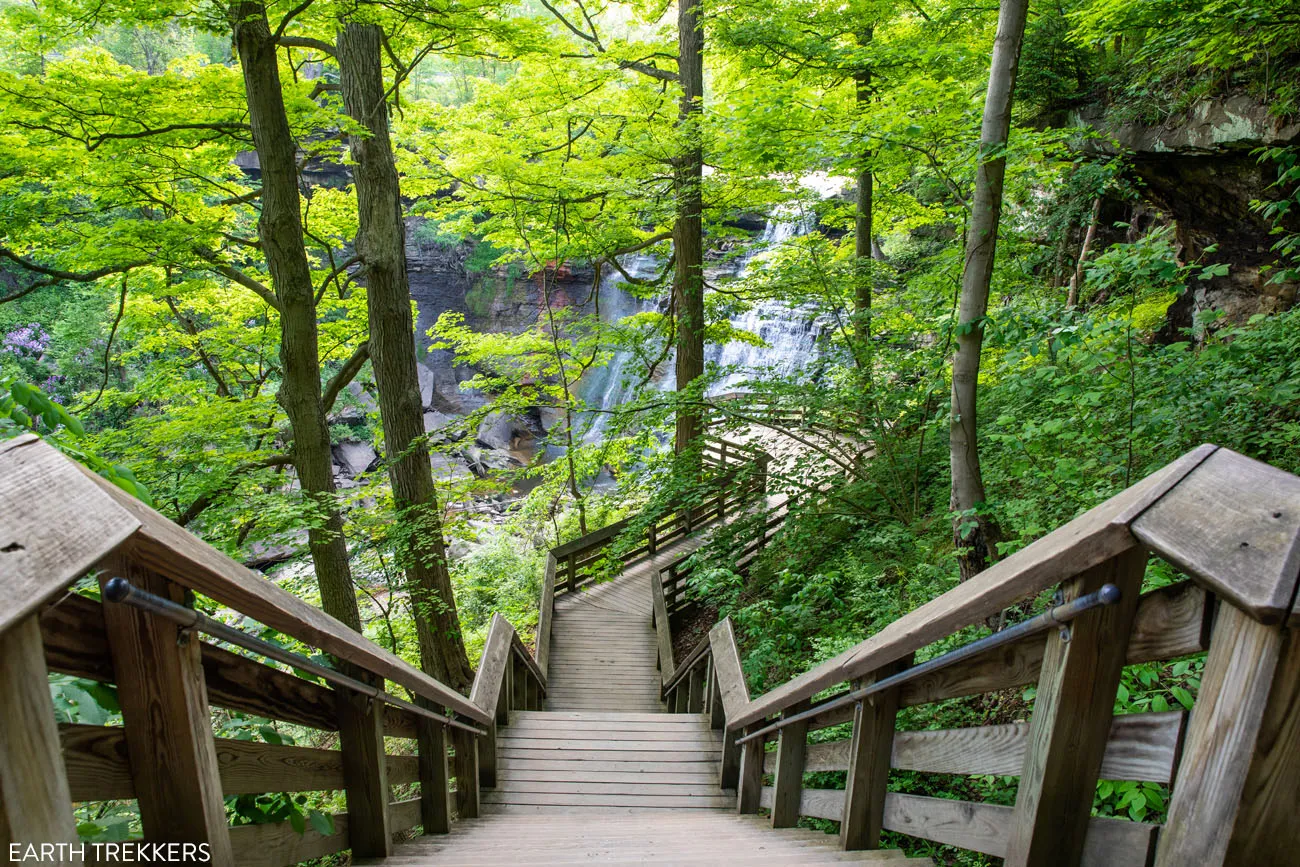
688,232
381,245
280,231
862,240
1076,279
976,534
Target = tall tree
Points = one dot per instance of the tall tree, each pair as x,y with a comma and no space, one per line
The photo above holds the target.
381,246
281,234
688,231
974,532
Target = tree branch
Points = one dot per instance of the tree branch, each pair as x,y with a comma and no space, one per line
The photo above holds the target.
237,276
307,42
351,368
56,275
197,507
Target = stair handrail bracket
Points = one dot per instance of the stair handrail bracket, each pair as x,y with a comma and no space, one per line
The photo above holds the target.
1231,524
60,522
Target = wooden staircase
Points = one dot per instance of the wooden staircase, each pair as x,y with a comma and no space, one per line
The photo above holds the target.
604,775
567,754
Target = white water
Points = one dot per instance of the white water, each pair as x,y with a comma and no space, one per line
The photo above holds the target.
790,335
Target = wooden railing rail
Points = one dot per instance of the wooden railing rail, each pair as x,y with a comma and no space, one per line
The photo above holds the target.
1233,526
58,523
674,577
738,476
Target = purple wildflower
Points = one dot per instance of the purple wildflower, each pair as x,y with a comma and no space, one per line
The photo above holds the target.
27,340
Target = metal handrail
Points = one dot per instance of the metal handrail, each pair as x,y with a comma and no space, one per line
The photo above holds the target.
1057,616
121,591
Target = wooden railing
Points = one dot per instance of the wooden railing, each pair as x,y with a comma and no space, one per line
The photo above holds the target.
735,476
1229,523
674,578
58,522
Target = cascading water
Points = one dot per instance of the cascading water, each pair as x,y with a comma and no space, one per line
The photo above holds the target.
610,386
790,335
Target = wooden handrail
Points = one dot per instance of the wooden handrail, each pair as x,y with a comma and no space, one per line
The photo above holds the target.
57,521
1230,523
28,464
1092,538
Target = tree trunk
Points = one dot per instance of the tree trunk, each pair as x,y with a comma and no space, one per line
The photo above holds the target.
1076,279
688,233
280,230
864,275
381,245
976,534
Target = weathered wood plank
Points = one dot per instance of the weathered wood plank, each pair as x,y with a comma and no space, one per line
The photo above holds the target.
164,705
169,550
870,748
1072,718
791,747
365,775
1222,738
984,827
278,844
663,634
35,804
96,759
1171,621
731,677
54,526
1141,747
492,665
1234,525
465,770
76,644
435,778
545,614
1092,538
1266,831
749,785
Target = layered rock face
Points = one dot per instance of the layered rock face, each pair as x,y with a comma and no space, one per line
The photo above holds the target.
1202,170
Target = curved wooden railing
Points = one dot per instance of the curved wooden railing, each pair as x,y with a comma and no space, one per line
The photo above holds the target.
59,522
735,476
1229,523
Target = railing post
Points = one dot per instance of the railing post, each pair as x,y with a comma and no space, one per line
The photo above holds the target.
717,713
681,696
749,785
729,766
1239,777
365,774
435,781
487,758
869,761
695,691
168,726
652,538
465,769
572,565
35,803
791,749
532,693
518,683
1071,719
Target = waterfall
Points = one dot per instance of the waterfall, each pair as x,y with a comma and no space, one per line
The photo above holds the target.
605,388
790,334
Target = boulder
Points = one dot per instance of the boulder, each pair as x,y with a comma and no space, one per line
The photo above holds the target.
501,431
426,384
448,469
354,458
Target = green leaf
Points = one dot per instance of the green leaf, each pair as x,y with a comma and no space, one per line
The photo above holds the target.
322,822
